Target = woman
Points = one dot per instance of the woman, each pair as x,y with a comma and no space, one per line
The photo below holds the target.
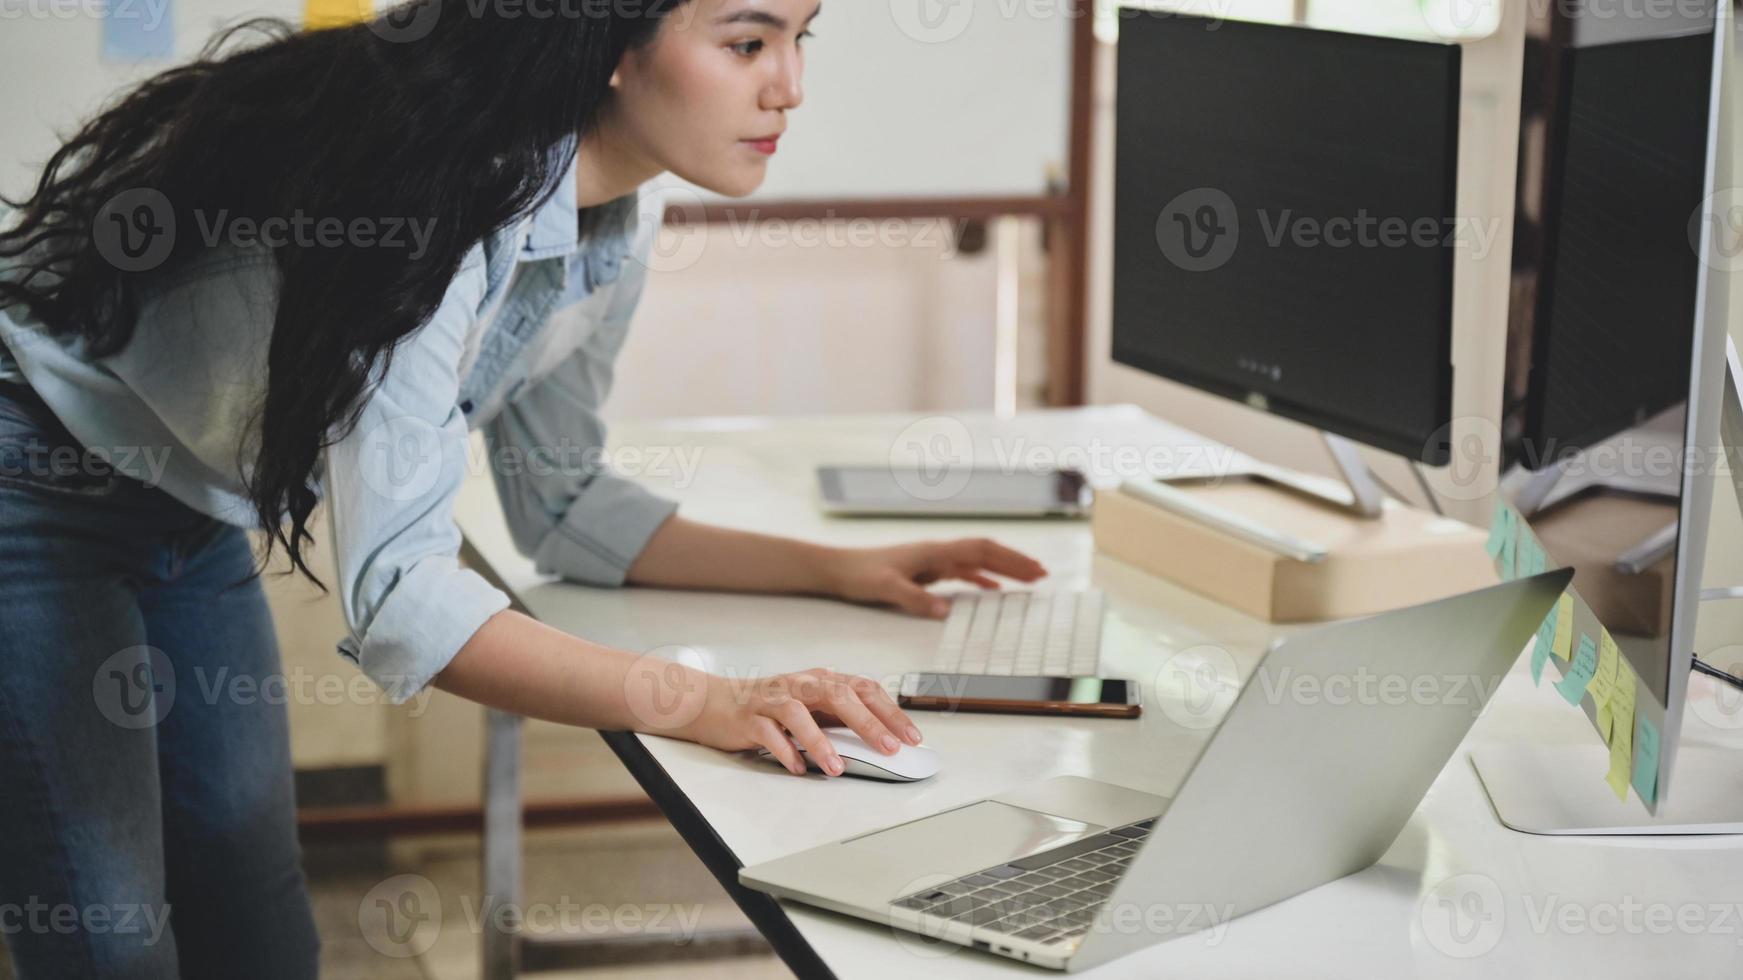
211,324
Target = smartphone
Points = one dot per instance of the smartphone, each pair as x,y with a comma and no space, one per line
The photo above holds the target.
1096,697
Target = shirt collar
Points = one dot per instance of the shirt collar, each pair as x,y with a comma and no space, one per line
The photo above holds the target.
556,228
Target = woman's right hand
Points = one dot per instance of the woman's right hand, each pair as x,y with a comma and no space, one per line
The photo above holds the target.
745,714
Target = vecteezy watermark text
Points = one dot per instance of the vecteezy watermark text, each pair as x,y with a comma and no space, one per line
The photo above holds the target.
306,231
36,916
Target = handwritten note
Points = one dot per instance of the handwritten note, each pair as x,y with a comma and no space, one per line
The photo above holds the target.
1620,761
1529,558
1646,760
1622,730
1579,673
1541,646
1622,701
1604,681
1564,627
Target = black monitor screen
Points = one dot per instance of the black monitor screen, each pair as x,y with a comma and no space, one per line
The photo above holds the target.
1284,225
1617,294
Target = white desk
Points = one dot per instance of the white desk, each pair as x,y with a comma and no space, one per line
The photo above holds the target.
1537,906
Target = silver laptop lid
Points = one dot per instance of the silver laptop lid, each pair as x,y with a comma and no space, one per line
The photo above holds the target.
1323,756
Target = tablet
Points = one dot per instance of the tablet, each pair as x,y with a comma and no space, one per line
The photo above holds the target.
884,491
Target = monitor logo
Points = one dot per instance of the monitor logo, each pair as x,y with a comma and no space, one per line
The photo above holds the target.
1199,230
1263,369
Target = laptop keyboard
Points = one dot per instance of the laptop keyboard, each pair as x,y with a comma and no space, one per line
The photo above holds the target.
1023,634
1051,897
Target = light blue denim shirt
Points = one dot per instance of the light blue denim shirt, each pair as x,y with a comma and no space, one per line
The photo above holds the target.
522,346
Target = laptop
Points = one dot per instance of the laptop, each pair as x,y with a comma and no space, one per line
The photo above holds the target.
1293,790
951,491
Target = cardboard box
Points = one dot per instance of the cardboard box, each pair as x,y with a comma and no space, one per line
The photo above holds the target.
1588,532
1404,557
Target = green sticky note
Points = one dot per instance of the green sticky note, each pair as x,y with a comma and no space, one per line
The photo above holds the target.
1646,760
1579,673
1528,558
1541,647
1498,528
1510,553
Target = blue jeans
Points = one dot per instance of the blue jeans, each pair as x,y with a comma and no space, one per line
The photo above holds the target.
147,818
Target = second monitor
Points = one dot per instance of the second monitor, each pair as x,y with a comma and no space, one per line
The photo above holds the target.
1284,222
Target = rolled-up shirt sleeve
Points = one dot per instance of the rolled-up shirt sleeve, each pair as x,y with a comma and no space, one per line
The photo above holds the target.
565,508
390,486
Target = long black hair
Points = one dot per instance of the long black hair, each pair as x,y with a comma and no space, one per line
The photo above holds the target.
446,112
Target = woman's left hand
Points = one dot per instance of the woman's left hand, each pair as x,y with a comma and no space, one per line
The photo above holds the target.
898,574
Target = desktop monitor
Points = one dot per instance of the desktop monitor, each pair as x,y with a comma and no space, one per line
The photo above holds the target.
1615,348
1607,310
1284,225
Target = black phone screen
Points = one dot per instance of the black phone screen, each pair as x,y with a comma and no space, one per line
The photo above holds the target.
981,687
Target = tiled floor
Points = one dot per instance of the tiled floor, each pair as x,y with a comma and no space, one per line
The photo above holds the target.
627,879
582,882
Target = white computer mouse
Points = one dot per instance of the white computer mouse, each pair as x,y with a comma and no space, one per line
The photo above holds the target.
911,762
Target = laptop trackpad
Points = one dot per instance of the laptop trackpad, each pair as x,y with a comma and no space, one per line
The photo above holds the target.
975,836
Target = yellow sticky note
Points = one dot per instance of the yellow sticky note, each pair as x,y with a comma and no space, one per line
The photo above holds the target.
1623,693
1564,628
1621,763
1622,702
1622,731
1604,682
318,14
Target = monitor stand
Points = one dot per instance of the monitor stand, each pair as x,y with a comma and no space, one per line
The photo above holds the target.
1558,790
1546,789
1361,497
1545,489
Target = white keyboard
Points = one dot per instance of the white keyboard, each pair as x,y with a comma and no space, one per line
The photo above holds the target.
1024,634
